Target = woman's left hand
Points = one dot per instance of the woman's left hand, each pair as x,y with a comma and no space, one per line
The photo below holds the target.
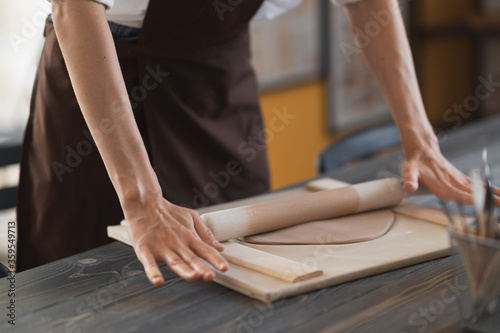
430,168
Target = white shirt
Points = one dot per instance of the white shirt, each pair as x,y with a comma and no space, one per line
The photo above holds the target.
131,12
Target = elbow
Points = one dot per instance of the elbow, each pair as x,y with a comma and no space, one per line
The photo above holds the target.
71,10
59,11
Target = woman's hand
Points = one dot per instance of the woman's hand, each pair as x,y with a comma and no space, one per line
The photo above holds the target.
164,232
431,169
389,57
427,166
159,230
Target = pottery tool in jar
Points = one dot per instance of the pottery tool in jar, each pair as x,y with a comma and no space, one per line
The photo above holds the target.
477,258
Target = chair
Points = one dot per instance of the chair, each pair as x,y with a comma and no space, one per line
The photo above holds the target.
4,271
360,145
10,153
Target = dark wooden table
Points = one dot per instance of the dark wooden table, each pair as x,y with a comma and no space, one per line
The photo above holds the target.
105,289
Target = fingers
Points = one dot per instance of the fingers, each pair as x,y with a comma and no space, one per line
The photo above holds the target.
496,190
186,260
179,238
496,195
196,264
449,192
409,173
154,275
440,176
458,187
496,198
458,179
205,233
211,255
447,185
185,266
150,267
207,247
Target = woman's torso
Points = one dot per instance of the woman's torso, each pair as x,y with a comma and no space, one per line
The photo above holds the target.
132,12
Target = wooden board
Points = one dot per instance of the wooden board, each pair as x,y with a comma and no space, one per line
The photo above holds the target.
268,264
241,255
410,241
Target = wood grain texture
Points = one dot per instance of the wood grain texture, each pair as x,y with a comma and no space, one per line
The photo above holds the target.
252,272
112,294
69,295
409,241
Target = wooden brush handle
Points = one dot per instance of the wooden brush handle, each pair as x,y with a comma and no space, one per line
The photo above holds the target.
281,213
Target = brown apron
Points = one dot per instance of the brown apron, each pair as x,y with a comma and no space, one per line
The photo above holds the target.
194,97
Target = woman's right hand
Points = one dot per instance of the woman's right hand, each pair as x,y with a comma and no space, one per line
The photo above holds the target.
159,230
164,232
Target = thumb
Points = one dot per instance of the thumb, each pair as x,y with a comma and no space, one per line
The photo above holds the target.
409,173
205,234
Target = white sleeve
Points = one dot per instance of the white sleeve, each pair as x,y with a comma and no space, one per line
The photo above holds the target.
271,9
108,3
343,2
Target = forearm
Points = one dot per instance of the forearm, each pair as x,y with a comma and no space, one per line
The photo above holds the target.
158,229
389,57
95,74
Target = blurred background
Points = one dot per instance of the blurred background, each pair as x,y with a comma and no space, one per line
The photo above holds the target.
21,41
305,69
453,41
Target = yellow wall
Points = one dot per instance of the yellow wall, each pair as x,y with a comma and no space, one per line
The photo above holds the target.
292,148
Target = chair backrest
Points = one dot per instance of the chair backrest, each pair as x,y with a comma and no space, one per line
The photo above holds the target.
359,145
10,153
4,271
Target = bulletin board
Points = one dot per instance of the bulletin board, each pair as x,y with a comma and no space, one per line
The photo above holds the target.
286,50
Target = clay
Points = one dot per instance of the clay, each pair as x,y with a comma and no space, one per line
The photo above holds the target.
408,242
285,212
343,230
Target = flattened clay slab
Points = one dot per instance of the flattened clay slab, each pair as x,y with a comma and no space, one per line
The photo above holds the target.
344,230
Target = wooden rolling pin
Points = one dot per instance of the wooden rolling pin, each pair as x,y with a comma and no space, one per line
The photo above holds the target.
276,214
406,208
